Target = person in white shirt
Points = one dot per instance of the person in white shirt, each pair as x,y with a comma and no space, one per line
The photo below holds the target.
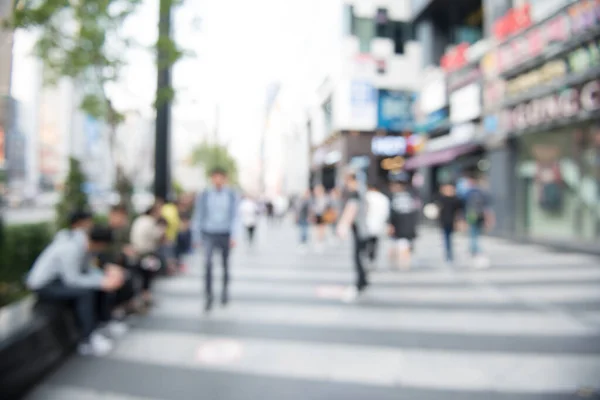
249,212
378,212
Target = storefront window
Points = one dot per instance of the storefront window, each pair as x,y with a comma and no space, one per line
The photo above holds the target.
559,175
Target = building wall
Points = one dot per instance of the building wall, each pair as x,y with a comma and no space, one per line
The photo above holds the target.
360,69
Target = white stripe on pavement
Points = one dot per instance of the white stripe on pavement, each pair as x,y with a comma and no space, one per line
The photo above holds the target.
522,323
367,364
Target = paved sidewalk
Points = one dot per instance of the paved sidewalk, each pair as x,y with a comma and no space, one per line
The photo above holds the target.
528,328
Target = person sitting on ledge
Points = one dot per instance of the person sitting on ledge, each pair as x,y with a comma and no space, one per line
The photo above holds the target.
80,224
62,272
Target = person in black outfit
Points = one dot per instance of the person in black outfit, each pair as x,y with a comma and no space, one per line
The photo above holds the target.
354,218
450,206
404,215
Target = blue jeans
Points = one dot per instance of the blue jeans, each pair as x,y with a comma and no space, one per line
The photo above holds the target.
474,234
448,232
303,232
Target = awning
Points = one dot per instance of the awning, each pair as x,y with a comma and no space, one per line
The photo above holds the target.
439,157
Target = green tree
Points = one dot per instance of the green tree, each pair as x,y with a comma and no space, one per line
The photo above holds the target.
211,156
73,196
83,40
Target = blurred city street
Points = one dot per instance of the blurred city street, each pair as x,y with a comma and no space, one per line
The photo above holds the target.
527,328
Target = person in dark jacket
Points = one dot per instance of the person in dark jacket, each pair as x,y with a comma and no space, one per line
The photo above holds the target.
450,207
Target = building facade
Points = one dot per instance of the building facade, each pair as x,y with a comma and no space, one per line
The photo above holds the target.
364,112
516,96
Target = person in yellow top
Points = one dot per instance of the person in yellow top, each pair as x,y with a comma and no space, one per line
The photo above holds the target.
170,213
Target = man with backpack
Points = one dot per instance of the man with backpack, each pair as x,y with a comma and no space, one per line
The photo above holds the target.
478,216
215,227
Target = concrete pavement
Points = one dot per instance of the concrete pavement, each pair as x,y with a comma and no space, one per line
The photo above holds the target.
528,328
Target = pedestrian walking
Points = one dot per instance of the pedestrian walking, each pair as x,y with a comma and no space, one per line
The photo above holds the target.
404,214
449,207
215,224
353,219
478,216
378,212
320,207
249,213
303,216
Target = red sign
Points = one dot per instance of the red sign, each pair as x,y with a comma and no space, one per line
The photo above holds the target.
514,21
455,58
533,43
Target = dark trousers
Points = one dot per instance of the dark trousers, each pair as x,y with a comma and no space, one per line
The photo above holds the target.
211,243
105,304
371,247
359,248
83,302
250,233
448,232
183,245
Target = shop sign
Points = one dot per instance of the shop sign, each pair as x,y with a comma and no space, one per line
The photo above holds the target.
493,93
577,62
389,146
547,73
563,105
533,43
581,17
395,110
463,77
460,55
584,58
465,104
459,135
433,120
434,96
455,58
514,21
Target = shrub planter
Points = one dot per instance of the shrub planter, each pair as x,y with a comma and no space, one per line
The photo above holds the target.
34,340
14,316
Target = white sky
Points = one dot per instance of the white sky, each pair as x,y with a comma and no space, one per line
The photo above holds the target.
240,47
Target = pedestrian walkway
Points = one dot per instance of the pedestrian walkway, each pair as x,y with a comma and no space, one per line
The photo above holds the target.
527,328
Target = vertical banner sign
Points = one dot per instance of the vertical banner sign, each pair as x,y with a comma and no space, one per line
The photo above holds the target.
363,102
395,111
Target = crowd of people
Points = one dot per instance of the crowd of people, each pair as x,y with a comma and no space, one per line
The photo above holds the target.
371,215
105,271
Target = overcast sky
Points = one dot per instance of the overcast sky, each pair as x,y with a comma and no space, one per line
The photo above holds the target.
240,47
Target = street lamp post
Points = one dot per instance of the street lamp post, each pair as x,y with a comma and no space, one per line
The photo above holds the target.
162,150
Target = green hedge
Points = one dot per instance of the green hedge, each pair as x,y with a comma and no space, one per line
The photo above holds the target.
20,246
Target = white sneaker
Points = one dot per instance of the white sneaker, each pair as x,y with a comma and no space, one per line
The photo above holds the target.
117,329
97,346
350,295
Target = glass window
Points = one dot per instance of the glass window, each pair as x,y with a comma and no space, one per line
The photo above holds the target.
558,173
365,31
348,19
401,33
382,24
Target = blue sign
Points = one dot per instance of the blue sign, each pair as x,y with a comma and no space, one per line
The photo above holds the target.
395,111
433,121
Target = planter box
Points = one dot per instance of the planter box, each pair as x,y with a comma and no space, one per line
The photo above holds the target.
15,316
